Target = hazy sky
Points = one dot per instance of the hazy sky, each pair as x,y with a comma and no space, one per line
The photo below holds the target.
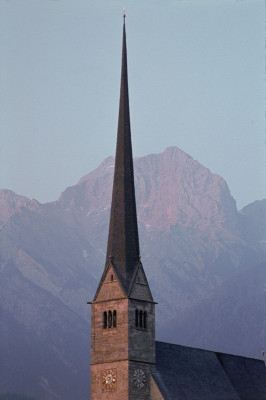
196,81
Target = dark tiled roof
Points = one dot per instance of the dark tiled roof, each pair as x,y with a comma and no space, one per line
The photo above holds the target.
247,375
185,373
123,241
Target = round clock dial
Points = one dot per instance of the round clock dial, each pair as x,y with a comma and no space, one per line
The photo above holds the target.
109,379
139,378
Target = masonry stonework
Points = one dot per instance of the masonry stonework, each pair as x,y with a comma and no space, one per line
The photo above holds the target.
126,351
110,343
99,388
141,340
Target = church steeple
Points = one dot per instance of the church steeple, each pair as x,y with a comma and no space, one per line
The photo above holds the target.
123,310
123,241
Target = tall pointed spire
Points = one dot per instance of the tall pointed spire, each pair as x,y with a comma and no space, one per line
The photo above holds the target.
123,241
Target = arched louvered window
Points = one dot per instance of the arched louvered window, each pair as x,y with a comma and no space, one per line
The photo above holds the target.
137,318
114,318
104,320
110,319
145,319
141,319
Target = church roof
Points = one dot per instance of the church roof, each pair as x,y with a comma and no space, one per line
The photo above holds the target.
123,240
187,373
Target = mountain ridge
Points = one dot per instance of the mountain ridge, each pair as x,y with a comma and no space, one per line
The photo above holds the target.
192,240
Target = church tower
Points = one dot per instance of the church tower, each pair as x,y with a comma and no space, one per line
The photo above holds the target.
123,310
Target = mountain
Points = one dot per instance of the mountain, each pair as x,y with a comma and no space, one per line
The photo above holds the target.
195,247
14,396
235,314
253,224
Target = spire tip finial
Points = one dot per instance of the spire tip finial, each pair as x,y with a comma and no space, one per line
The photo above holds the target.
124,12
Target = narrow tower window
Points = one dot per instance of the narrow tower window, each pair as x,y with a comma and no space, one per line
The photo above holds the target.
141,319
145,319
112,278
109,319
137,318
114,318
104,320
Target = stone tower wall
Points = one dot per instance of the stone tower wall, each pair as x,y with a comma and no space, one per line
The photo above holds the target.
110,343
118,391
142,340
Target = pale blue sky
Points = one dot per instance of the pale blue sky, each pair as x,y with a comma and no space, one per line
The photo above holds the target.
196,81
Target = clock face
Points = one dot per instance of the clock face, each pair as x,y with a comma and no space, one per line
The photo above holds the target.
139,378
109,380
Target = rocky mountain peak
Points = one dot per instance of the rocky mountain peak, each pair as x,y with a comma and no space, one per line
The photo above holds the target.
171,188
11,204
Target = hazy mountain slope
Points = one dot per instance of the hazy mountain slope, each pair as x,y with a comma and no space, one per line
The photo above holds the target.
233,313
253,224
45,284
44,345
46,251
15,396
192,241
